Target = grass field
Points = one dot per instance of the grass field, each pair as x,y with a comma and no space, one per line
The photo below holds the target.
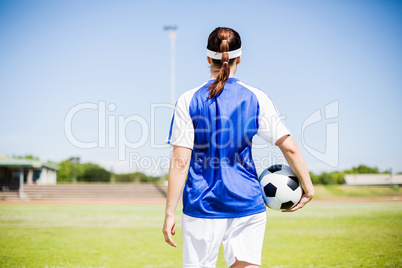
129,235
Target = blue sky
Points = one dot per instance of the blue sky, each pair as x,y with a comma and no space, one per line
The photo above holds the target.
307,55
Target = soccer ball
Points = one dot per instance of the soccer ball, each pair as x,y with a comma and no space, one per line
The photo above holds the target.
280,187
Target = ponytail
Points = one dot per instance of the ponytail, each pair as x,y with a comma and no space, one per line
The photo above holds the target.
224,37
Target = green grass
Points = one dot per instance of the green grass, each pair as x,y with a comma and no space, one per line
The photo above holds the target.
127,235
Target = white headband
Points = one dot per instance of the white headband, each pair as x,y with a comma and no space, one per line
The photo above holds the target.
218,55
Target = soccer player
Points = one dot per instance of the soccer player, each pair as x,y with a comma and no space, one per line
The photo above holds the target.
211,133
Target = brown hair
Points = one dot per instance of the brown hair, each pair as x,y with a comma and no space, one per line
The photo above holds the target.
222,40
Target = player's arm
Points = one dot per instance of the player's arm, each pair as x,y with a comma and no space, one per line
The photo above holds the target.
178,170
296,161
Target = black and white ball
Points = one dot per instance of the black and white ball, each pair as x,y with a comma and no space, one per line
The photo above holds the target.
280,187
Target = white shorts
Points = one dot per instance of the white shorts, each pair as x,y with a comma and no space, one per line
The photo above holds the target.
242,240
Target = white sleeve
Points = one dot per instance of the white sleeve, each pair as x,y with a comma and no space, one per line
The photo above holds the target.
270,125
181,129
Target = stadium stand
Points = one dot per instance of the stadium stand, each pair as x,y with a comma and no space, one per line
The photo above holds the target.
89,191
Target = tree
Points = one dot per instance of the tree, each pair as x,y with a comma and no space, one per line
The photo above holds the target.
362,169
94,173
72,170
315,178
29,156
136,177
68,170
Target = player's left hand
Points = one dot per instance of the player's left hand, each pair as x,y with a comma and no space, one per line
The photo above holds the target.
303,201
168,230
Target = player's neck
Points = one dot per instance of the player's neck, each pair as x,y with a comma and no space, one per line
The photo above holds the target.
214,74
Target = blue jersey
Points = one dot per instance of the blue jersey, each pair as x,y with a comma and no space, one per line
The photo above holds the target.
222,179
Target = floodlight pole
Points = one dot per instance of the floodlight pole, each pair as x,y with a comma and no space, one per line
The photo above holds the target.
172,31
21,190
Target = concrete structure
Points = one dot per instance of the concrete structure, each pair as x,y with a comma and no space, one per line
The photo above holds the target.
14,171
373,179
